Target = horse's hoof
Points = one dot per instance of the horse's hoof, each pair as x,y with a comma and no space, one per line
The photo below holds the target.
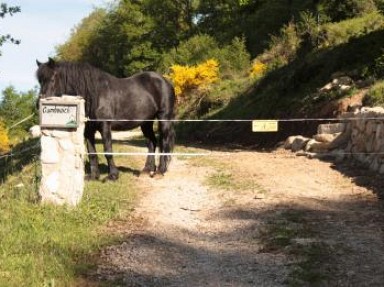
91,178
157,175
152,173
112,177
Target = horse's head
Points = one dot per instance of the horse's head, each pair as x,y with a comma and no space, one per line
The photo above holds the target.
66,78
46,75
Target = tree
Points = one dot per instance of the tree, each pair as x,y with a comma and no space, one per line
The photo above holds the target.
174,21
253,20
78,44
120,41
15,107
8,10
131,35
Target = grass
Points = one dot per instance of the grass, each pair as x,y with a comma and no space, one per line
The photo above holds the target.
375,95
44,245
288,230
283,233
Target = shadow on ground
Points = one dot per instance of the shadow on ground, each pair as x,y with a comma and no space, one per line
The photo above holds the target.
262,251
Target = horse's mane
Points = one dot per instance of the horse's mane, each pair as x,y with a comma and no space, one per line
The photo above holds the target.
86,80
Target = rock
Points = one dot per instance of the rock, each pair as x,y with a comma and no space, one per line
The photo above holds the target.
342,81
289,141
331,128
372,112
67,145
315,146
326,138
60,134
35,131
360,84
49,151
381,170
345,87
342,139
338,154
328,87
299,143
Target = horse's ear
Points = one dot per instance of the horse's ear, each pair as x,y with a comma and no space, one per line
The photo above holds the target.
51,63
38,63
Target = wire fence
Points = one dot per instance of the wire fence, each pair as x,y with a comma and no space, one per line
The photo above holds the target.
20,155
342,119
15,159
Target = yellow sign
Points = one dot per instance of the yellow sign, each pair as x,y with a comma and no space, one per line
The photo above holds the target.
265,126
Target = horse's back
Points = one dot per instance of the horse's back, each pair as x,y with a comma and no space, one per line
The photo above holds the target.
155,86
152,81
143,96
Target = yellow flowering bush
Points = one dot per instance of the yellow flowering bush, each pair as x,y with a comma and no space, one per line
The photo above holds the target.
258,69
4,140
199,77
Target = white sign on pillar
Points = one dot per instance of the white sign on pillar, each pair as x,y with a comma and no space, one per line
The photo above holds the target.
62,121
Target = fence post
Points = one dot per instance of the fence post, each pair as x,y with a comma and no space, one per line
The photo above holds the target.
62,121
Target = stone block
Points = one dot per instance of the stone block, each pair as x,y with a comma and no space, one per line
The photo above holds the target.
315,146
61,134
325,138
49,150
370,127
331,128
299,143
375,165
35,131
67,145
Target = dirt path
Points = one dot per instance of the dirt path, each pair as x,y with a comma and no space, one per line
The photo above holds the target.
271,219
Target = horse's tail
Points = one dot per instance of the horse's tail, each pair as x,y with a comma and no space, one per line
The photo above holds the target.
167,131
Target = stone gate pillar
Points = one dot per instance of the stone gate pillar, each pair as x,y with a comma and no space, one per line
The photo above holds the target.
62,121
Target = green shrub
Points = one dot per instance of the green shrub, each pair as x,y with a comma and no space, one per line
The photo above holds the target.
198,77
283,47
375,96
339,33
232,58
340,10
379,67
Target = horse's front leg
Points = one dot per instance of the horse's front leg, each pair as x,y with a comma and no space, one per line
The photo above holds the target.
107,142
93,159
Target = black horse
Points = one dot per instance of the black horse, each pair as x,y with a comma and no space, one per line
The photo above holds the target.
140,99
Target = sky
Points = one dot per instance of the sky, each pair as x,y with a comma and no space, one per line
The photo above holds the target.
41,25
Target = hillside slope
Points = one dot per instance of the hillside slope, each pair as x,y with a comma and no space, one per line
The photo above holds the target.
293,91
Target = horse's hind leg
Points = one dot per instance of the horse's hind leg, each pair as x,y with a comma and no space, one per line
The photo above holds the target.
89,135
167,140
147,129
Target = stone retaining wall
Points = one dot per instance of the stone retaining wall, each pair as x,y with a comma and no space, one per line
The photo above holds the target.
366,141
358,136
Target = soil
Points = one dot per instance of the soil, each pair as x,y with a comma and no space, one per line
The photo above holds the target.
185,232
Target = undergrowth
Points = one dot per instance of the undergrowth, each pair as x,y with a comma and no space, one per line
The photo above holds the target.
291,88
45,245
375,95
